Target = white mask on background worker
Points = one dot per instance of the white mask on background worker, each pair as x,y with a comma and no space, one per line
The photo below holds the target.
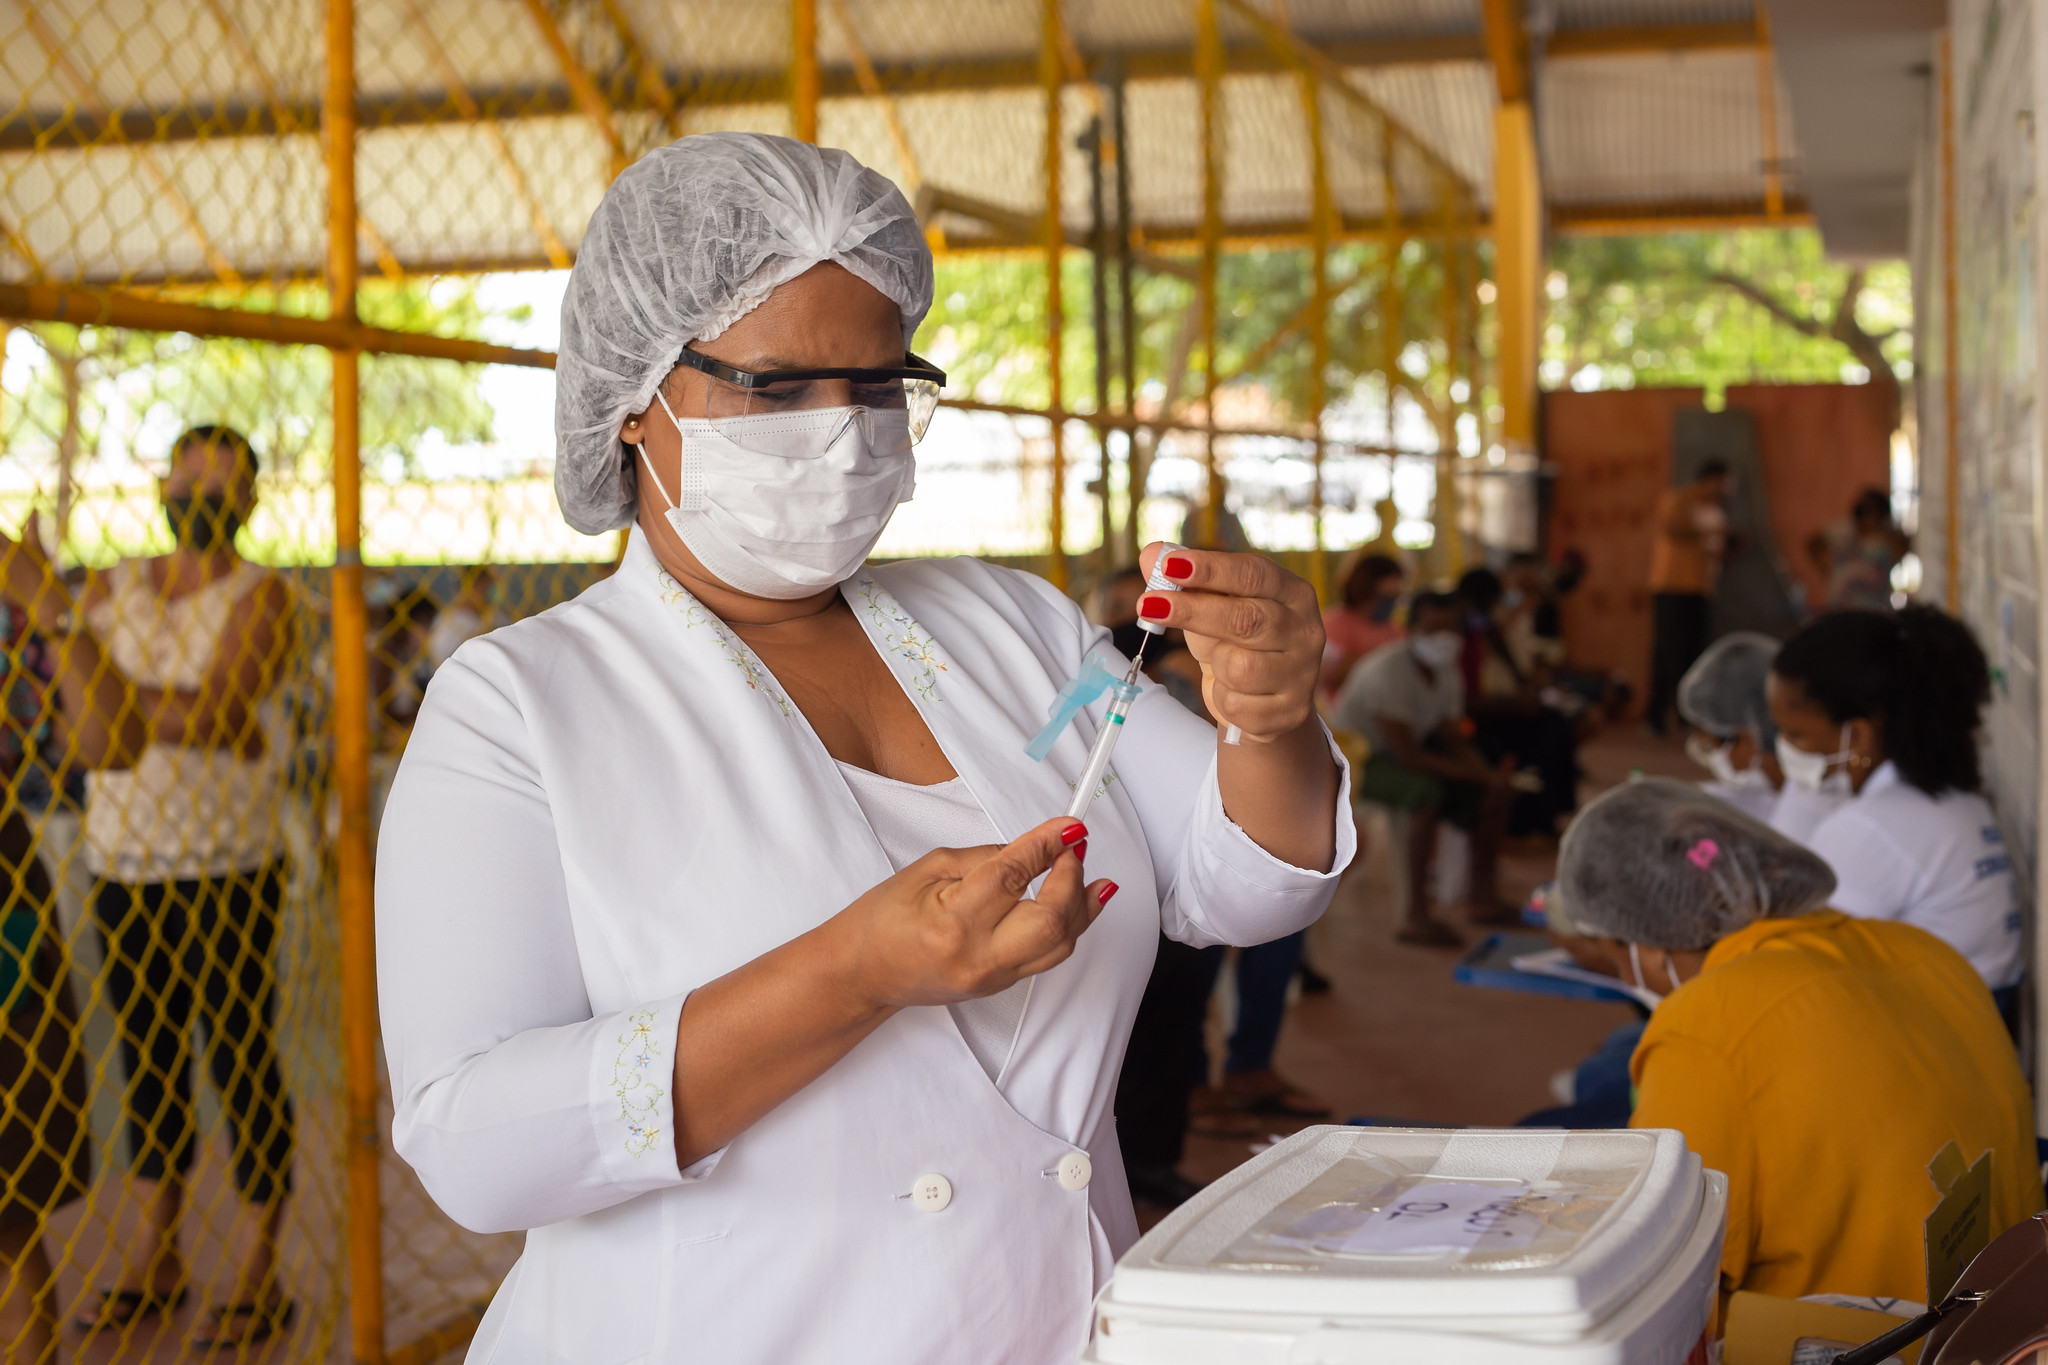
1827,774
1438,649
1719,759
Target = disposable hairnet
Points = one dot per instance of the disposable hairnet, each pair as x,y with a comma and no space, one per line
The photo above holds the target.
1663,864
1723,692
687,241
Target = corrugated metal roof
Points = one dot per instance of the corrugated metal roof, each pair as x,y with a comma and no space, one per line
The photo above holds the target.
438,188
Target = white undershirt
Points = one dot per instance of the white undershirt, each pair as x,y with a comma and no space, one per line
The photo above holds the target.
910,821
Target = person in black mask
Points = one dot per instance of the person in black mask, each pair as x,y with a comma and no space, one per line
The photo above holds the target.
188,854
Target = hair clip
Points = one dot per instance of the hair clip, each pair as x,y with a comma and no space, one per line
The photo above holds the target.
1703,853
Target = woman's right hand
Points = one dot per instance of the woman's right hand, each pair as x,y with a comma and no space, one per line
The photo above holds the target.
955,924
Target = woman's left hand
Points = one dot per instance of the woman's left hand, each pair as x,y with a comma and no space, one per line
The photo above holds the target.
1253,627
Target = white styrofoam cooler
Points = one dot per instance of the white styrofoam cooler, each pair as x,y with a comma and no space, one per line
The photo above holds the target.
1403,1246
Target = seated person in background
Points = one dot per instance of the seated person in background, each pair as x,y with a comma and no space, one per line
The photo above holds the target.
1821,1061
1722,698
1856,556
1607,690
1408,701
1364,620
1883,708
1512,721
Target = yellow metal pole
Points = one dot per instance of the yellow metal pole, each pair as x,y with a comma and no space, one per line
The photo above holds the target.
1951,425
1209,78
803,68
1448,315
1319,310
1767,113
1052,76
1517,269
352,715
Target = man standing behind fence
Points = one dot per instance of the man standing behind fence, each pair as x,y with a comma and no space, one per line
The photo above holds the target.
189,859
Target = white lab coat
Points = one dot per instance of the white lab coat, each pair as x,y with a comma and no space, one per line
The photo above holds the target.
610,804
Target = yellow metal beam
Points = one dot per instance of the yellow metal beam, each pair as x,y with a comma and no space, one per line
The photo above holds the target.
1301,56
1052,79
592,101
550,243
1951,394
1640,219
1507,49
1767,113
1209,79
803,69
1517,224
83,307
1322,212
1636,40
87,95
871,86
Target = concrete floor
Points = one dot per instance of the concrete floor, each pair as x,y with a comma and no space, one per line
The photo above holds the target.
1397,1038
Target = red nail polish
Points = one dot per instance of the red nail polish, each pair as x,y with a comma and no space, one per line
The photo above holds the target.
1081,850
1108,890
1073,834
1179,566
1154,608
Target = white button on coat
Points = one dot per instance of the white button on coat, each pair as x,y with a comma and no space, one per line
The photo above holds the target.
931,1192
1075,1169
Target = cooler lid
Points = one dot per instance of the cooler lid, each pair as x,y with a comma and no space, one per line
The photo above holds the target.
1417,1224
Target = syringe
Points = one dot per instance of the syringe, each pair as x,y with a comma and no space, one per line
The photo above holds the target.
1121,695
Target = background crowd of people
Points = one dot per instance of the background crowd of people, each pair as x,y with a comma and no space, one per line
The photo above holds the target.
1823,929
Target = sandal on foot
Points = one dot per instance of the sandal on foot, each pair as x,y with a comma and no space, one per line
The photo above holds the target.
259,1323
120,1307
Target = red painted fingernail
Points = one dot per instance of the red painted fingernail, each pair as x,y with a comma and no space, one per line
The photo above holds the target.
1108,890
1154,608
1073,834
1179,566
1081,850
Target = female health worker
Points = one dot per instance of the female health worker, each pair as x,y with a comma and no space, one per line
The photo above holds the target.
707,932
1883,708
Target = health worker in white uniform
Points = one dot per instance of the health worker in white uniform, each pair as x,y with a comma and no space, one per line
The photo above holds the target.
1722,698
730,944
1880,710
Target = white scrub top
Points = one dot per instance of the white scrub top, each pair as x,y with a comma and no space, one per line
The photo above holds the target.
1759,803
1938,862
607,805
1799,812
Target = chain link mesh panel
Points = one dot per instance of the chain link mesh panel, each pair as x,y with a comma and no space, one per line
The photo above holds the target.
176,981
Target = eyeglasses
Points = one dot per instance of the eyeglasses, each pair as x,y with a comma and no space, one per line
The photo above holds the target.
912,388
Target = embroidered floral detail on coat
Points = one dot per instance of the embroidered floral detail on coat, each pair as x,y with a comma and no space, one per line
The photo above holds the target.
736,652
903,637
633,1073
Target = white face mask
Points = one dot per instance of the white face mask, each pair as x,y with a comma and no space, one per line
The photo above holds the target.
1438,649
796,508
1642,989
1811,771
1716,760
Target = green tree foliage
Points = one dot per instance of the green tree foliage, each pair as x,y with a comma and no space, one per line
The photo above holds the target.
1713,309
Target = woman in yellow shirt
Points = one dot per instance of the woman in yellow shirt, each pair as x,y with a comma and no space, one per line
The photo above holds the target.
1820,1061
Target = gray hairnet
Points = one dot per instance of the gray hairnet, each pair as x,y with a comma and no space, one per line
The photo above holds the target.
687,241
1663,864
1723,692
